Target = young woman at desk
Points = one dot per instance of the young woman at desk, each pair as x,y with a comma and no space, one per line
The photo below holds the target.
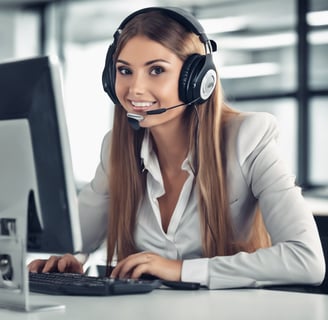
199,192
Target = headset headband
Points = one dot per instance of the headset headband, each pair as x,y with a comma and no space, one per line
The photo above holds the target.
180,15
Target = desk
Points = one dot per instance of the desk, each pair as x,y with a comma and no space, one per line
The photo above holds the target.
161,304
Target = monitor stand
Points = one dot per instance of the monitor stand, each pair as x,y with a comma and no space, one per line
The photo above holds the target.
17,186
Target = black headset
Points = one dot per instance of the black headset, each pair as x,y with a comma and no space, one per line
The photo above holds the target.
198,74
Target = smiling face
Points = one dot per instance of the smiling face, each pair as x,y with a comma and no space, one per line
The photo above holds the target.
147,76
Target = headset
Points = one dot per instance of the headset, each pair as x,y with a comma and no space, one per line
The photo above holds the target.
198,75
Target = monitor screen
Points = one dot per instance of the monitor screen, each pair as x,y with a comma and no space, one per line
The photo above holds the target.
31,89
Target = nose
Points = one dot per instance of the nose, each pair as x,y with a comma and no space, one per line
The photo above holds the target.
137,84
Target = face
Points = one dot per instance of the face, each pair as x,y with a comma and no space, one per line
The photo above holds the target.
147,76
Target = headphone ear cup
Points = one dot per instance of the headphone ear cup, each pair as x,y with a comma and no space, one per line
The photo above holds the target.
184,81
109,75
197,78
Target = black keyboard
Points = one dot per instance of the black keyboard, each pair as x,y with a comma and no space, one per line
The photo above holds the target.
83,285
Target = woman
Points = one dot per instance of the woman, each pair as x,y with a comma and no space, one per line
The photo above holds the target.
199,193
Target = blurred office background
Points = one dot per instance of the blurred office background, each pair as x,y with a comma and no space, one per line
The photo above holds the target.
272,57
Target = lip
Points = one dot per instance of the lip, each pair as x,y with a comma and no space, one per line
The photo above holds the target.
140,109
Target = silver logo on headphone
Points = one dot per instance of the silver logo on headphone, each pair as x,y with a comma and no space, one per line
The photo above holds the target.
208,84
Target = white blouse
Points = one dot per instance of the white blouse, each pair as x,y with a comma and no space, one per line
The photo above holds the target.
255,173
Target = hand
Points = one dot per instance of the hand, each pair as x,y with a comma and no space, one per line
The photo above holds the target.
66,263
148,263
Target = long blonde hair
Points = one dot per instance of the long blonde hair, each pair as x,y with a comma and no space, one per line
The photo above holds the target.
127,179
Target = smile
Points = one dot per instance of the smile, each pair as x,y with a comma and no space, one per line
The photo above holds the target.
142,104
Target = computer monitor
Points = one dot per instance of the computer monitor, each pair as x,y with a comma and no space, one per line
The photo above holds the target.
31,93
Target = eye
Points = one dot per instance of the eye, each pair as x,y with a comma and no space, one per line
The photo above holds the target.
156,70
124,70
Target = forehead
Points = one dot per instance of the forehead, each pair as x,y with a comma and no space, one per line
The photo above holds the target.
143,48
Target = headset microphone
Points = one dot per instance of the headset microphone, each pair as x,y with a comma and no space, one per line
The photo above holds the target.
162,110
134,118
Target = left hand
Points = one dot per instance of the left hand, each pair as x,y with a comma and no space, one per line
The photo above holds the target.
140,263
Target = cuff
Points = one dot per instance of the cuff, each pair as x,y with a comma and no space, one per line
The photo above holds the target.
195,270
81,257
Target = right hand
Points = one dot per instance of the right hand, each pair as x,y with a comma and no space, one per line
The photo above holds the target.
65,263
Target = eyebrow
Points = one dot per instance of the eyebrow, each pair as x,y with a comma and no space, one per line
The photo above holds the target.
147,63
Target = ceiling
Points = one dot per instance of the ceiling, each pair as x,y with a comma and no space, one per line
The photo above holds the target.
161,2
92,20
105,15
21,2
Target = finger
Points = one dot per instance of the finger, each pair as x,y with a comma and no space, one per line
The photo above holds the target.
36,265
64,264
132,262
76,267
141,269
117,270
51,264
68,263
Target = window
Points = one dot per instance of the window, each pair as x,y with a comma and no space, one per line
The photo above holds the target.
272,57
318,141
257,61
317,40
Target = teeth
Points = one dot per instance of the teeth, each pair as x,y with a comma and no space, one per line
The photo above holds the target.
142,104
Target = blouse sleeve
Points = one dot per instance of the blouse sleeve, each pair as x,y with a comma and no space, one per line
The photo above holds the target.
295,256
93,203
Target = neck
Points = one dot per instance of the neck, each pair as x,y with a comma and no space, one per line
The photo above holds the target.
171,146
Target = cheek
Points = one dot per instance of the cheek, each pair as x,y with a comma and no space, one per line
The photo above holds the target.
169,89
170,86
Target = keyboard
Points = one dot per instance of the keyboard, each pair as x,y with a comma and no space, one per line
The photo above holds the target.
83,285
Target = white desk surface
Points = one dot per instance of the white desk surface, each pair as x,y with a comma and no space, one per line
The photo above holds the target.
161,304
